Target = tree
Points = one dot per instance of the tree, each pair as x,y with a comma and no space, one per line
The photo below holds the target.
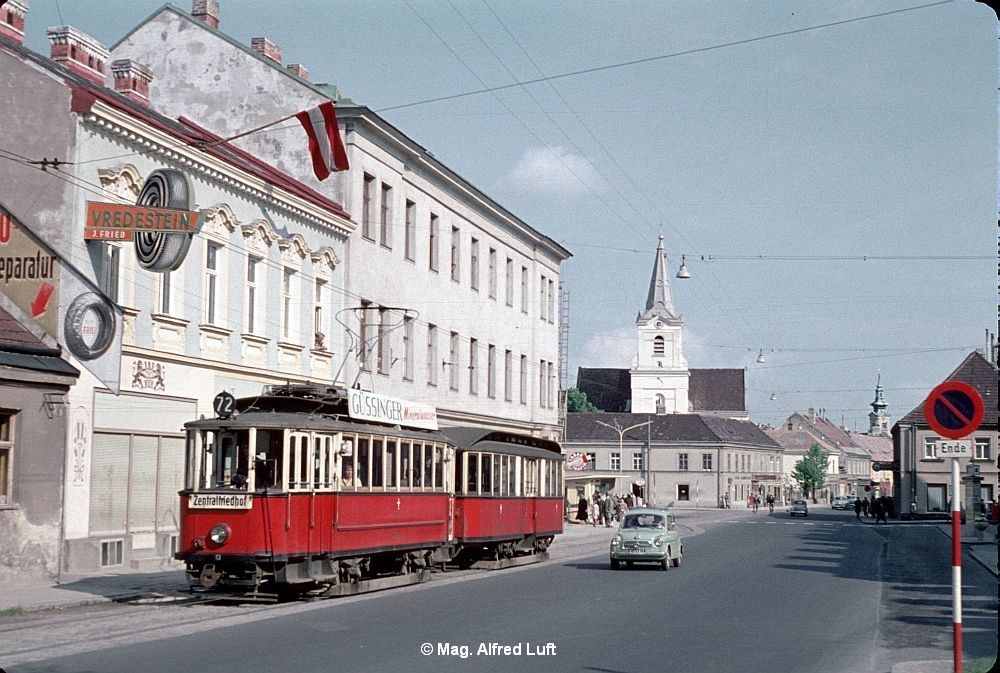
810,472
576,400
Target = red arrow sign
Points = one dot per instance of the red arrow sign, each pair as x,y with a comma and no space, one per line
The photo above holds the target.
40,302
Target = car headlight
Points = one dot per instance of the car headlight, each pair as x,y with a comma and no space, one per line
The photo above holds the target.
657,541
617,540
219,534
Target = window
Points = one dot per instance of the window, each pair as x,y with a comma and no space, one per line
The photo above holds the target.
319,328
110,270
367,208
455,251
659,347
166,299
930,447
382,350
6,460
253,299
364,331
937,497
211,281
682,462
616,461
432,355
474,265
543,302
591,461
409,230
491,272
385,217
523,383
453,361
287,307
432,244
509,282
982,448
524,290
491,371
508,375
473,366
706,462
407,348
552,301
637,462
542,388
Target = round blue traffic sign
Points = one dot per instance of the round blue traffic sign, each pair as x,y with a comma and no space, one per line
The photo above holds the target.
954,409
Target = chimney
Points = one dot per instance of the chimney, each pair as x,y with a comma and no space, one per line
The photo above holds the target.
265,47
79,52
12,19
132,79
206,11
298,69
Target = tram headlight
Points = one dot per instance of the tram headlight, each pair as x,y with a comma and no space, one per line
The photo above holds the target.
219,534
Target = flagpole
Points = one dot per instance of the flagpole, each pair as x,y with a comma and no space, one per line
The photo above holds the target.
246,133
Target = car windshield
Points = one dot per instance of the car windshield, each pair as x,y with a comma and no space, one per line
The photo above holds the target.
643,521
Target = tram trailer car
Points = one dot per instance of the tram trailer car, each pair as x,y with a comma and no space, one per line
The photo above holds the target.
508,493
325,491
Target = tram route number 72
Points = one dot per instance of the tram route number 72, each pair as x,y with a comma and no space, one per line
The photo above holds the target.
224,405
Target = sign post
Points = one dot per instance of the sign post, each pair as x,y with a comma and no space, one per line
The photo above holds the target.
954,409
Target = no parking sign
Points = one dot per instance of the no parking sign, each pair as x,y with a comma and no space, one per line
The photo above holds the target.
954,409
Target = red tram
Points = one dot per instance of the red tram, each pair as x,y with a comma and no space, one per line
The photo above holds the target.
327,491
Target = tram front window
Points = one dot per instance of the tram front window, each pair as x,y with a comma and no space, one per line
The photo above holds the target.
229,461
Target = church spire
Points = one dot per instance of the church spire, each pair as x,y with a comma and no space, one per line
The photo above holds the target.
878,418
659,302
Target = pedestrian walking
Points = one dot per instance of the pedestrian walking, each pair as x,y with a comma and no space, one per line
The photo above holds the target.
865,506
880,510
582,510
857,508
606,511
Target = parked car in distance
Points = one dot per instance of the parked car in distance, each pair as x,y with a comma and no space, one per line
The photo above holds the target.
843,502
647,535
799,507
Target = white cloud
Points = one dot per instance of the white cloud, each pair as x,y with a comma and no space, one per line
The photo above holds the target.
553,171
617,348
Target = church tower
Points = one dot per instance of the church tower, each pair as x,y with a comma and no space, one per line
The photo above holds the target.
660,373
878,419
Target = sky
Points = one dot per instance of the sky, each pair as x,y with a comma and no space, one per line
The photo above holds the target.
827,171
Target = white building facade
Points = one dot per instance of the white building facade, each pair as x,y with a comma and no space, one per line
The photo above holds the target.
448,298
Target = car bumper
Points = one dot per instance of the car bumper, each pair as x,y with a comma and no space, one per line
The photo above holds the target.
639,555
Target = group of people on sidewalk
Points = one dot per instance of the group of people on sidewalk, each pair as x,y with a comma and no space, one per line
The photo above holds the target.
880,508
606,509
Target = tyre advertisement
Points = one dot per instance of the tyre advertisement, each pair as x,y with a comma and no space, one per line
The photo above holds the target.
40,287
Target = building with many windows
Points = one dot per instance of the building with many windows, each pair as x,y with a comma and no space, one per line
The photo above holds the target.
448,298
922,459
157,326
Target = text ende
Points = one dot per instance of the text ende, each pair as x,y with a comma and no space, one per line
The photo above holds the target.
498,650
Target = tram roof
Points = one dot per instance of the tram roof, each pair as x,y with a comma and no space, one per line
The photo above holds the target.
501,441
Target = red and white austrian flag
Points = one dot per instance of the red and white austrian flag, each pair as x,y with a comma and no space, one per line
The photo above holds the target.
325,144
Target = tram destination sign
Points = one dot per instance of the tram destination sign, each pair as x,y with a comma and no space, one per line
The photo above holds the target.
117,222
366,406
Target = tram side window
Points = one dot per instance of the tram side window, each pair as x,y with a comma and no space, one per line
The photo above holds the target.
377,462
497,472
322,461
418,465
530,478
428,466
362,469
405,473
512,476
391,466
486,474
268,462
438,467
472,473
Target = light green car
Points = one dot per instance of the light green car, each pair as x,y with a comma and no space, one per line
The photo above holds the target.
647,536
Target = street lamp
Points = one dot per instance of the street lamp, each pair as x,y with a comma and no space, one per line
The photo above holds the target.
621,441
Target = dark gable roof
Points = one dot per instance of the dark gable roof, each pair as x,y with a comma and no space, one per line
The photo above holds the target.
708,389
978,372
717,390
583,427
